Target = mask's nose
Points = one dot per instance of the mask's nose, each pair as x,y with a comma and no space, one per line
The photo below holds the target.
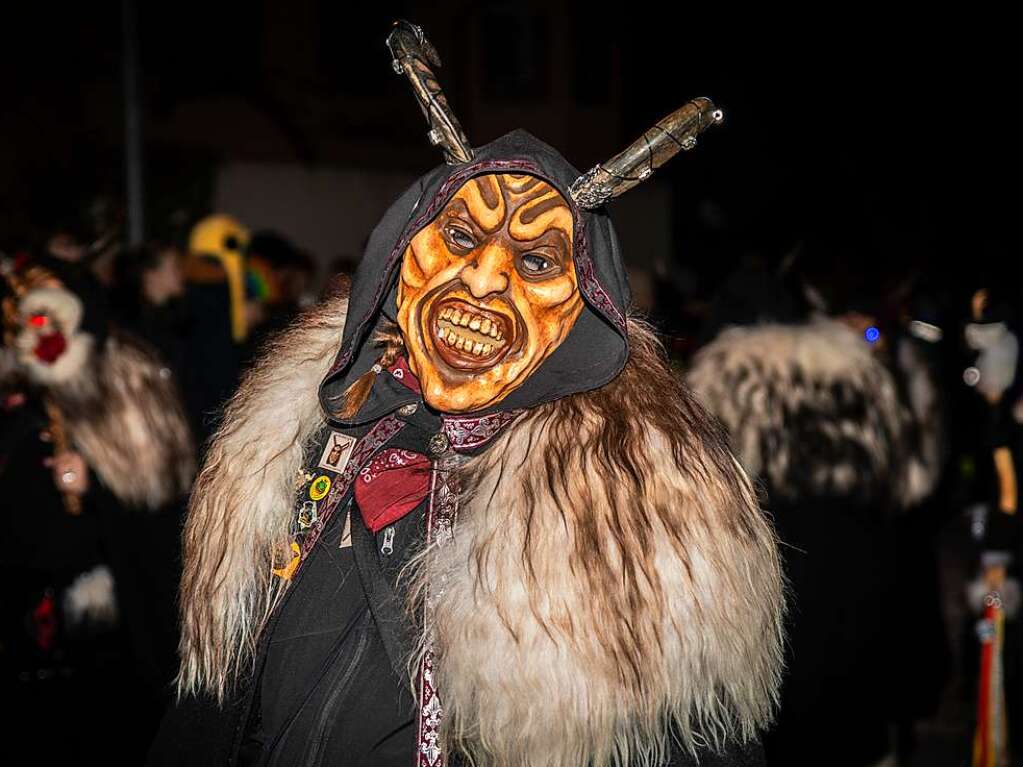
487,272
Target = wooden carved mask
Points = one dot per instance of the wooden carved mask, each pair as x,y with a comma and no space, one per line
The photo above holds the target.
488,291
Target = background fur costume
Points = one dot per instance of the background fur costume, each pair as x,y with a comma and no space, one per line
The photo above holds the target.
818,420
811,411
121,410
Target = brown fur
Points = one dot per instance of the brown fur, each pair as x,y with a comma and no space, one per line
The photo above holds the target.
813,412
240,513
127,421
611,579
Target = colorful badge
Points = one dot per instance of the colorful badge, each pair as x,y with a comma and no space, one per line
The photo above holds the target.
336,452
307,515
320,487
288,571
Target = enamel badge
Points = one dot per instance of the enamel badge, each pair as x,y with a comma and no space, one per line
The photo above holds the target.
336,452
320,487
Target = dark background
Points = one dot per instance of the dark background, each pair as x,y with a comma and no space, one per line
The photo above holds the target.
872,149
892,136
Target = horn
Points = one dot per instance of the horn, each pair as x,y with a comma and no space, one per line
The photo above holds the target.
673,134
412,56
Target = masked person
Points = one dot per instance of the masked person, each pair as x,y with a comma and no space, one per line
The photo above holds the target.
96,458
492,527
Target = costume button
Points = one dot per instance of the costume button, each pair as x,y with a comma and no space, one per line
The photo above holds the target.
409,409
439,443
320,487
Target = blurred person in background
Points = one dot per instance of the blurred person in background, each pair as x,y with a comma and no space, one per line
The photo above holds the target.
88,234
148,297
96,460
994,650
219,313
279,281
817,417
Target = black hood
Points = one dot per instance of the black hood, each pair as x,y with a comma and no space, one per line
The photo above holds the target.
594,352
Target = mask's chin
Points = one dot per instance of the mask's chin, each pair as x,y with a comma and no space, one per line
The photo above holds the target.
464,349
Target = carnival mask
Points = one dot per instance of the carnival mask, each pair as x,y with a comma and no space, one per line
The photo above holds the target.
488,290
48,337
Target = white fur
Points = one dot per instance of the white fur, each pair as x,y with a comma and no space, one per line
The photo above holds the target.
62,306
528,676
90,598
118,411
64,311
754,378
239,516
526,679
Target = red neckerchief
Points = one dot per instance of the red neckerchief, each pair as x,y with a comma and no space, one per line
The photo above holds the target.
395,481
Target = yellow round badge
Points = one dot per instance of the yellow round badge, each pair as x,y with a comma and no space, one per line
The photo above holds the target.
319,488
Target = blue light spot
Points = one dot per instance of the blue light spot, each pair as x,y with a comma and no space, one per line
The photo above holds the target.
872,334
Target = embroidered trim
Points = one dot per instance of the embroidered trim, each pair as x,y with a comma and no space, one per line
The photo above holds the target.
430,753
469,432
591,287
441,516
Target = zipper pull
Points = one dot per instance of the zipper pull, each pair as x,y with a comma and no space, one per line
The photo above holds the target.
388,546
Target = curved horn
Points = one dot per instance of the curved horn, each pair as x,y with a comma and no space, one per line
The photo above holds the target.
412,55
676,132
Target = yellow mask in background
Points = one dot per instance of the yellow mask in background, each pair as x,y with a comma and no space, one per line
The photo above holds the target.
223,238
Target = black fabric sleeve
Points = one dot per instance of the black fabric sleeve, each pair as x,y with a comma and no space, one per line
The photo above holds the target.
196,732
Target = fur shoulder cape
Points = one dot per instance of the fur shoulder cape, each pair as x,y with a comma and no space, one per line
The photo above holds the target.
611,584
813,412
124,414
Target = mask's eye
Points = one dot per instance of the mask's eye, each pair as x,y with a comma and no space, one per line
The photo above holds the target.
536,264
459,237
37,320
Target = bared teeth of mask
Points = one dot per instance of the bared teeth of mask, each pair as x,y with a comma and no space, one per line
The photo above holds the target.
485,327
460,343
477,349
487,348
455,316
450,340
464,322
445,314
493,331
474,323
443,333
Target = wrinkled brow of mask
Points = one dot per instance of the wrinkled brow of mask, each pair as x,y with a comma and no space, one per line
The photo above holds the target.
527,205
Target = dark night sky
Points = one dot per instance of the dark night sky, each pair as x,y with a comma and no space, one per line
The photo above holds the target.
896,135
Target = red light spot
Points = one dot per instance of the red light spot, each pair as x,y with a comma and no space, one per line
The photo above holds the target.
37,320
